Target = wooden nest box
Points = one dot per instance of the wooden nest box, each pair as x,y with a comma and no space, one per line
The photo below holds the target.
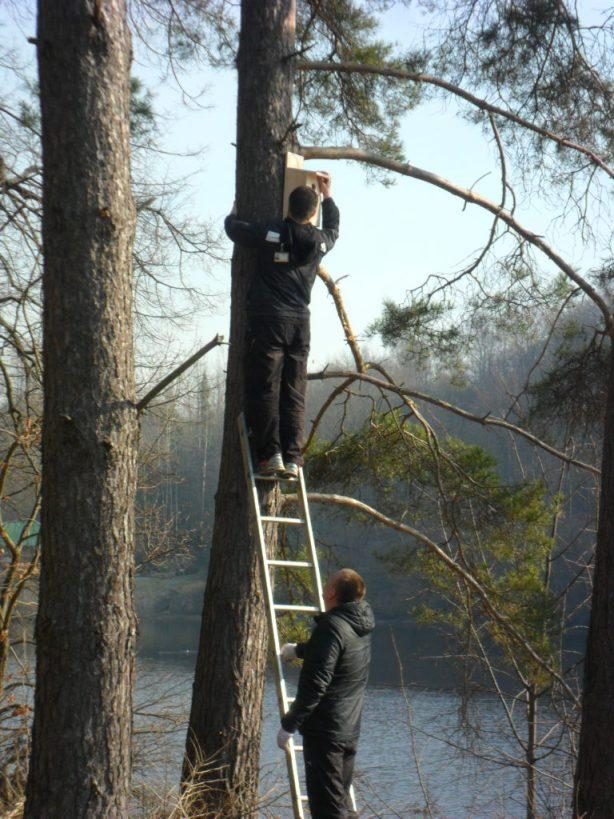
295,176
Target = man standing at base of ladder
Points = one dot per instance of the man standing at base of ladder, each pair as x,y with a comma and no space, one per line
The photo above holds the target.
327,708
278,335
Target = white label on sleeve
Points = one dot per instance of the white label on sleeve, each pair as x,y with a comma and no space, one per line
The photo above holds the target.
272,236
323,247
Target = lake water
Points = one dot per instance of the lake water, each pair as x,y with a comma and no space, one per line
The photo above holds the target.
409,755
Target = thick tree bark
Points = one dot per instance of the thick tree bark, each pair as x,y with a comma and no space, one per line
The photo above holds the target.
81,746
594,786
226,714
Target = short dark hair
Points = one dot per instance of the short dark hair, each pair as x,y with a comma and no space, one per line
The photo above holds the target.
302,203
349,586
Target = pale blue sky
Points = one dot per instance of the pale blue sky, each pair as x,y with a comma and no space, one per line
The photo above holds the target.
391,238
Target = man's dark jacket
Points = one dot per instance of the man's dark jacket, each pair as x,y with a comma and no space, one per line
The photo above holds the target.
288,259
334,676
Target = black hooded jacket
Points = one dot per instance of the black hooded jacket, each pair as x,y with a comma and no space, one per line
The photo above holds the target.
288,259
334,676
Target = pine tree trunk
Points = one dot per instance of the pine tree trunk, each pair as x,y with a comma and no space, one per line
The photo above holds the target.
226,714
81,747
594,786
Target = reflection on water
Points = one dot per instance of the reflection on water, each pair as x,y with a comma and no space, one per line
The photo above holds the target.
409,755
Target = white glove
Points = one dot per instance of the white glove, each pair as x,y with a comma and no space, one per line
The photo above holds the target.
283,739
288,652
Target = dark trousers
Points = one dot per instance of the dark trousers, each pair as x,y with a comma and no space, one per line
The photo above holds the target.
329,767
276,380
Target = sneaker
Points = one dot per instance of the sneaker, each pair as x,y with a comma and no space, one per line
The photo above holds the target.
291,471
271,467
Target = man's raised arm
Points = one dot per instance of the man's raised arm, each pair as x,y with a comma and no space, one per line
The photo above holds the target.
330,212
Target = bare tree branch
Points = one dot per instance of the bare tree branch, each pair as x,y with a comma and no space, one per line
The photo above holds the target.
404,168
485,420
332,288
483,105
341,388
466,576
162,385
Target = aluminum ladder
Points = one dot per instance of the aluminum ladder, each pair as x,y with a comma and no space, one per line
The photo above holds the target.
299,800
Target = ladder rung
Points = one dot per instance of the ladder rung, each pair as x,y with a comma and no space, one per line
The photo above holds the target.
291,564
298,748
289,607
273,478
289,521
304,798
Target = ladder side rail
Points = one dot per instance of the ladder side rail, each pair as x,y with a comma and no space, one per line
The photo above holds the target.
315,569
282,697
266,575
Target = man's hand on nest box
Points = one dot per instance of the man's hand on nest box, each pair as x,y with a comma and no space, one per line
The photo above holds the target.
324,183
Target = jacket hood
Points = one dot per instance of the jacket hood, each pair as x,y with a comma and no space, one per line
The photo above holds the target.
358,614
302,241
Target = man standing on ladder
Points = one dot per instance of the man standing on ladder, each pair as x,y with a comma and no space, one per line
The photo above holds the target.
327,708
290,252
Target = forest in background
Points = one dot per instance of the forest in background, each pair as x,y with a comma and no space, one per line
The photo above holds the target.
477,440
181,445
